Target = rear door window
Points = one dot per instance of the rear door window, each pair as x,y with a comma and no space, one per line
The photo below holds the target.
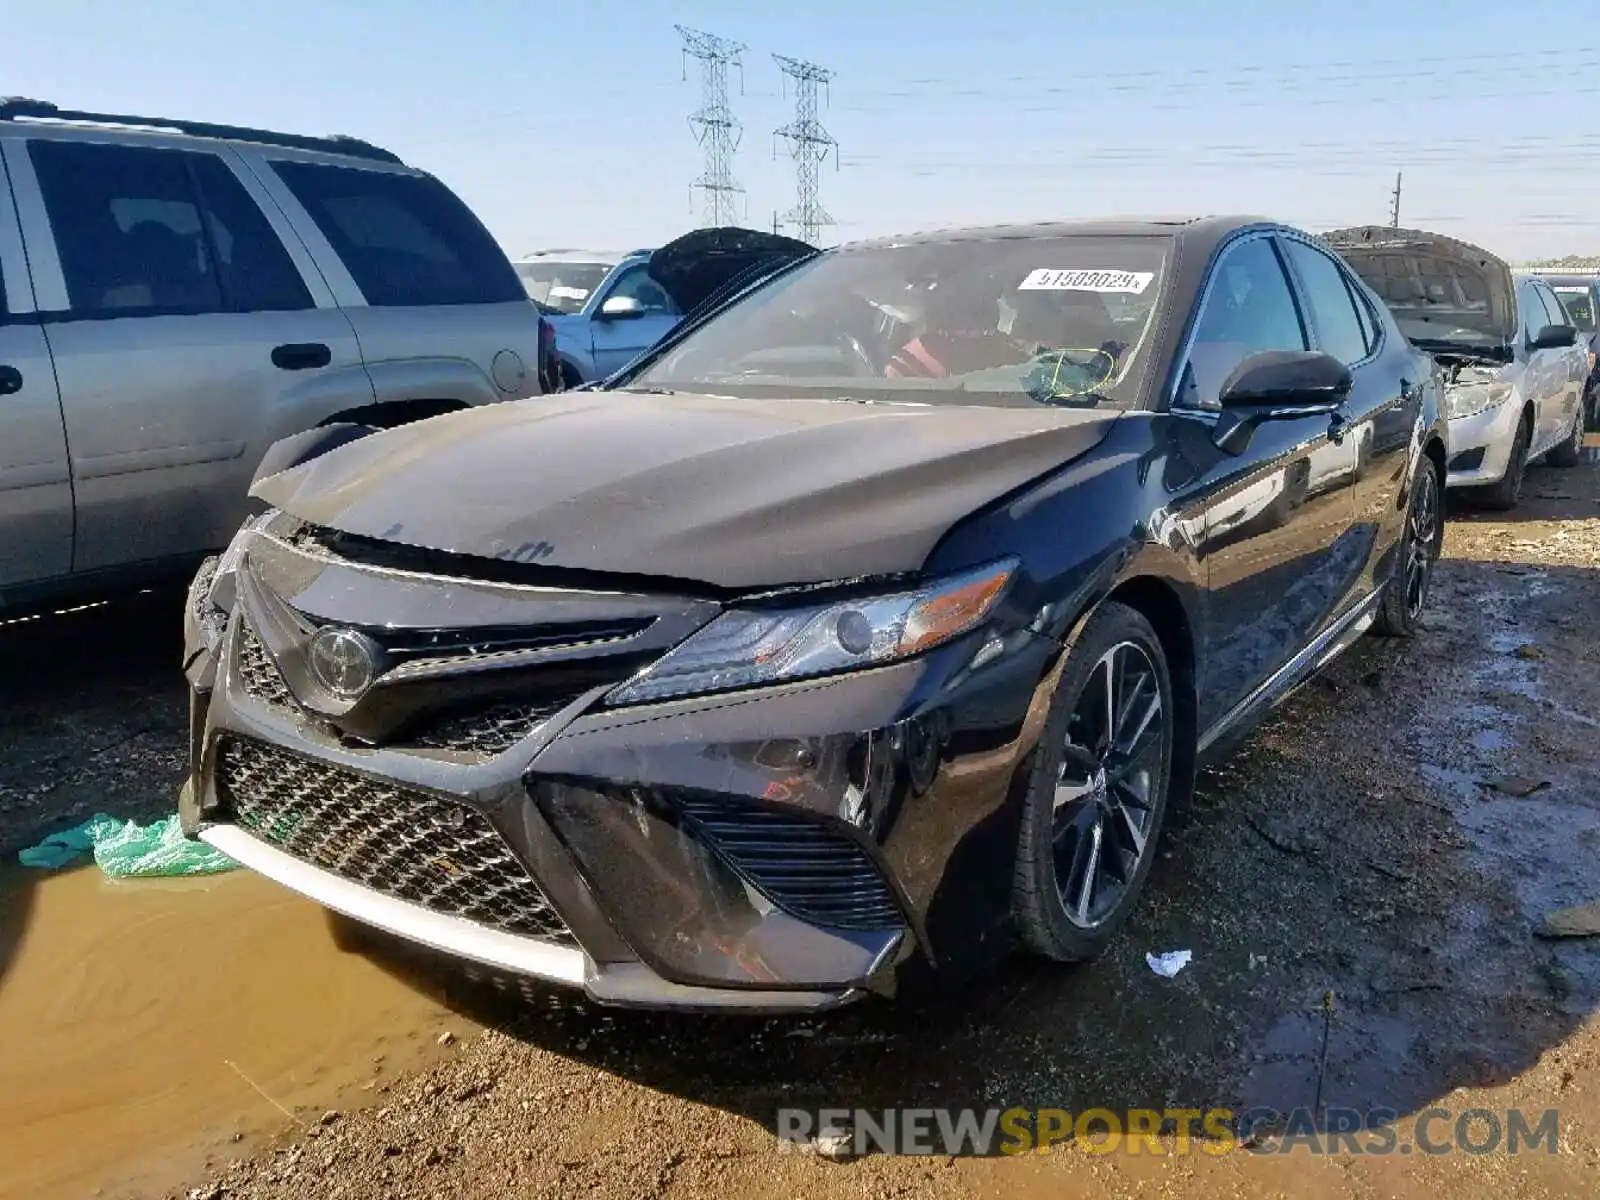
405,239
256,271
127,229
1333,309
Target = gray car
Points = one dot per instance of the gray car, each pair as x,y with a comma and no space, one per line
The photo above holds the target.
175,297
1513,370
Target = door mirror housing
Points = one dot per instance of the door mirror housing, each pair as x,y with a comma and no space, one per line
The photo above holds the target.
1278,385
621,308
1553,337
1287,383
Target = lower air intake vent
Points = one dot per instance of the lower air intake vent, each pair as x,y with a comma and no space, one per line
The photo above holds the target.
807,869
404,843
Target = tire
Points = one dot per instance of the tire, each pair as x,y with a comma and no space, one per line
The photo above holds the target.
1503,496
1123,793
1567,453
1406,594
569,377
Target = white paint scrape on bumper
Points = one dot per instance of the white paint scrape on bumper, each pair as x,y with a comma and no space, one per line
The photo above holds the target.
453,935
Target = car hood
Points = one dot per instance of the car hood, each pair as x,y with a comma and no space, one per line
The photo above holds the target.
1467,288
737,494
696,266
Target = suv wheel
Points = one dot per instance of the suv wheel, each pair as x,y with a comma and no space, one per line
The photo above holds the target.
1095,804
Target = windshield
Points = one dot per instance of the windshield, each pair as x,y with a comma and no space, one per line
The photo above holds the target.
564,287
1579,303
1011,321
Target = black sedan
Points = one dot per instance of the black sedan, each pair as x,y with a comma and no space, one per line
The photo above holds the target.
875,621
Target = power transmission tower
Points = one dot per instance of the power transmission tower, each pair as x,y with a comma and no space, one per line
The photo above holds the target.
715,127
1394,206
809,144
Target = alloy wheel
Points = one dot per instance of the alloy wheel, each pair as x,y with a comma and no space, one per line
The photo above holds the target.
1422,536
1104,808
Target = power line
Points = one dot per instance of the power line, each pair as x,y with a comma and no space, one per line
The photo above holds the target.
1519,63
809,144
716,128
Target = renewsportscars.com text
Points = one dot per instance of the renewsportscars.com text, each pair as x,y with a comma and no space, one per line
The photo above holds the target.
1173,1131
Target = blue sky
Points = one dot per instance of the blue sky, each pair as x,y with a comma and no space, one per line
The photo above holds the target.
564,123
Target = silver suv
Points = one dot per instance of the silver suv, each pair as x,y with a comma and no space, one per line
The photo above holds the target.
175,297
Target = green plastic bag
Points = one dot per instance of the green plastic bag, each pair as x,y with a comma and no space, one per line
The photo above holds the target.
126,849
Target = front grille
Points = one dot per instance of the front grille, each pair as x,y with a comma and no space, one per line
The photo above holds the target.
404,843
492,729
807,869
258,672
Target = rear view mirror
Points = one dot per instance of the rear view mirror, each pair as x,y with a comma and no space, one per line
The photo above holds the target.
1278,385
621,308
1287,383
1553,337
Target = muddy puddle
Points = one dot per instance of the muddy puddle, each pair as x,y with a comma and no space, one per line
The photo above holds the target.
149,1025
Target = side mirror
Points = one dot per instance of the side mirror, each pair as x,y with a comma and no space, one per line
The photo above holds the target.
1553,337
621,308
1278,385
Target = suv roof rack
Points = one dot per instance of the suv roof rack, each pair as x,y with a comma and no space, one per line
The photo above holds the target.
13,108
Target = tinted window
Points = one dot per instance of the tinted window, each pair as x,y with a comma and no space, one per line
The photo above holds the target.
1535,314
256,271
1369,329
1553,306
1579,303
127,227
1333,312
635,282
1248,308
405,239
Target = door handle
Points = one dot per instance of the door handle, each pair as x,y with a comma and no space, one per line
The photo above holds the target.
10,381
301,356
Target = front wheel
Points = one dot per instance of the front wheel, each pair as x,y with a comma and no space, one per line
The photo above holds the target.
1098,793
1570,450
1420,541
1503,496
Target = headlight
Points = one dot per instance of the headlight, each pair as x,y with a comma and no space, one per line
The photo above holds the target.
215,602
1470,399
751,647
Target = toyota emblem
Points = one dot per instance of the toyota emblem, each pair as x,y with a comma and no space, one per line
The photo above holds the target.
344,661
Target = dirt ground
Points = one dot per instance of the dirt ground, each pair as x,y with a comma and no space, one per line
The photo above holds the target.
1360,888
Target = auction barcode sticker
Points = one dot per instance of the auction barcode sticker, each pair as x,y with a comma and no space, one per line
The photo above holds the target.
1045,279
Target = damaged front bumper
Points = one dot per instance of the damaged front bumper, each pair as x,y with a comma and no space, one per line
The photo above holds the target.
787,849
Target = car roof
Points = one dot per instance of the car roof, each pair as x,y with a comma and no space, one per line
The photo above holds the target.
1586,278
581,256
41,118
1201,228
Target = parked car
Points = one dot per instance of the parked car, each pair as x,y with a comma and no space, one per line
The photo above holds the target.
1580,297
605,316
1514,374
873,621
179,296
